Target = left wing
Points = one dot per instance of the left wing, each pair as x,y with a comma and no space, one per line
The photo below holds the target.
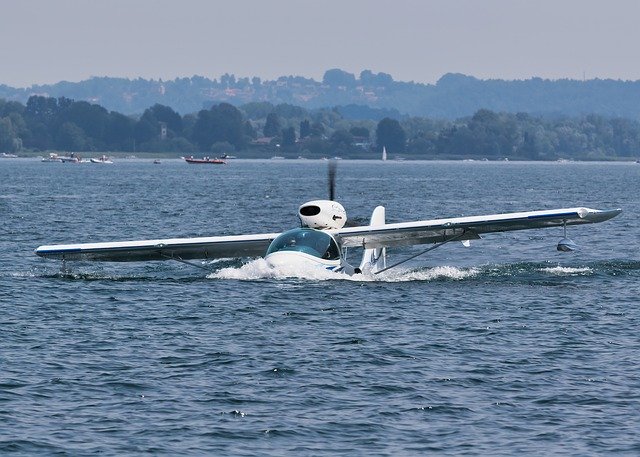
176,248
465,228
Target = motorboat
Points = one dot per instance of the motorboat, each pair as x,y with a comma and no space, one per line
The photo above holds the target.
53,157
205,160
71,158
102,159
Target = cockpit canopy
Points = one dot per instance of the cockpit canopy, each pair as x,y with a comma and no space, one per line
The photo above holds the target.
310,241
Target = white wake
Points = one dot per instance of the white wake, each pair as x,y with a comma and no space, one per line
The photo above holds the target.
260,269
567,271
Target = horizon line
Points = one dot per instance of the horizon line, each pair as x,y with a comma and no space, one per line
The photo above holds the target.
263,80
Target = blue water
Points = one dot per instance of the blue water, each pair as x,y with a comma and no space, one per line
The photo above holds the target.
505,347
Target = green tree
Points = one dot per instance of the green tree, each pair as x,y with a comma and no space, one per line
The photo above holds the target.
361,132
7,136
222,122
289,137
317,129
161,113
341,141
305,128
222,147
71,138
272,127
119,132
257,110
249,131
19,124
145,130
367,77
317,146
10,107
179,144
41,109
336,77
287,111
391,135
38,137
91,118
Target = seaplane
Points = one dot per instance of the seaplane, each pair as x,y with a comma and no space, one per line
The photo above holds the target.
324,237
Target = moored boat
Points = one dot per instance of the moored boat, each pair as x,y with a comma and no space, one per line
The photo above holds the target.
205,160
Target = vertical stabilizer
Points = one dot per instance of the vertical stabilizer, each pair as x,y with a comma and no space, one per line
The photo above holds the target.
374,259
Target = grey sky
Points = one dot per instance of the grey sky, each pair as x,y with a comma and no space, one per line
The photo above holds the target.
45,41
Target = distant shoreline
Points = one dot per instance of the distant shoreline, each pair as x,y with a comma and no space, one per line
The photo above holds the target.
362,157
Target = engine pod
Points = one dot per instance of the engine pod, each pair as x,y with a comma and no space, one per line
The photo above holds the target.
322,215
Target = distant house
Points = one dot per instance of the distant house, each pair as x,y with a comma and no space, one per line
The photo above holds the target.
362,142
263,140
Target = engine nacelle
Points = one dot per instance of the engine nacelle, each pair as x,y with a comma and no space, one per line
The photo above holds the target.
322,214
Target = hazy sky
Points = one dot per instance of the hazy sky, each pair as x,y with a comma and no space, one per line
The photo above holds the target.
45,41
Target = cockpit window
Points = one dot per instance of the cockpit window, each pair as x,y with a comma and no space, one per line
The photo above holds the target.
309,241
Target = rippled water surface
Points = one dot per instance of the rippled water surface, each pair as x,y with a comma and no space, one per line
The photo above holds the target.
505,347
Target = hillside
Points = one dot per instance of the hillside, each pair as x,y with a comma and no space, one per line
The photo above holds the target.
452,97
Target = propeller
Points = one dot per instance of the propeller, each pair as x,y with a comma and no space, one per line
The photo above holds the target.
333,167
352,221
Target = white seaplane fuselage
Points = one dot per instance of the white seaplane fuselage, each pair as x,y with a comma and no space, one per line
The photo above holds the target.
304,249
296,260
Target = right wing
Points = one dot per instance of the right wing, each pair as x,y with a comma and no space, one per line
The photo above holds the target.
175,248
465,228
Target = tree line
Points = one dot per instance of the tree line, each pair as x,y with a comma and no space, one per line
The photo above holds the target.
263,129
453,96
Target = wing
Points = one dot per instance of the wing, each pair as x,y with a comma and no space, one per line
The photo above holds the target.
465,228
180,248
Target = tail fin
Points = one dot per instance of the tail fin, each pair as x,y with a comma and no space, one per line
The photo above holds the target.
374,259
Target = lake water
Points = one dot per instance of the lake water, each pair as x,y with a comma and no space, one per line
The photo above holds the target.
505,347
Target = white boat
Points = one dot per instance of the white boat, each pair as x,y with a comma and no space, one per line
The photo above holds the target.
4,155
53,157
71,158
384,153
101,159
